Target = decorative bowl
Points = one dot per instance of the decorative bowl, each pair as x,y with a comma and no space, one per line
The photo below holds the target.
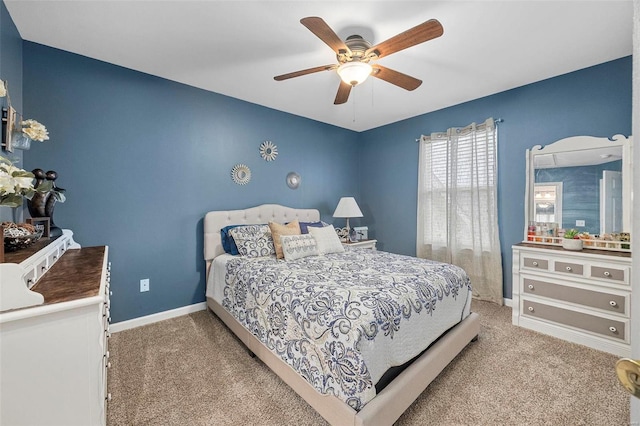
572,244
20,242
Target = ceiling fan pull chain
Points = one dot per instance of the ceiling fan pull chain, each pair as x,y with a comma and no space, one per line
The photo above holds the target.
373,83
354,107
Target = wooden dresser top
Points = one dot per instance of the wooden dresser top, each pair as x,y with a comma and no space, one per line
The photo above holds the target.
76,275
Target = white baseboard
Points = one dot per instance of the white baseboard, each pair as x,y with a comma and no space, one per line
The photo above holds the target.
160,316
508,302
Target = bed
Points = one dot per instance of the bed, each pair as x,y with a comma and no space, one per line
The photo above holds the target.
370,361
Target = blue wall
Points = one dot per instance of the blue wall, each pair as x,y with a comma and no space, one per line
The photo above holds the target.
143,159
10,71
595,101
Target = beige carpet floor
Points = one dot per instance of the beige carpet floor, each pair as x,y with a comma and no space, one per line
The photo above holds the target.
191,370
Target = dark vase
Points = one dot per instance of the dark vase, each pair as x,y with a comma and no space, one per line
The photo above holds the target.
43,203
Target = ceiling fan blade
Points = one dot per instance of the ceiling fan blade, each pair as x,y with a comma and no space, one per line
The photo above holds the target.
343,93
419,34
325,33
304,72
394,77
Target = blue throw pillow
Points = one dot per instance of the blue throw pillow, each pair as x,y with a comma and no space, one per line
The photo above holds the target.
228,244
305,225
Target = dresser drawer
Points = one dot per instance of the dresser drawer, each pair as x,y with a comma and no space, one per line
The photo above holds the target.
593,299
591,323
608,274
535,263
569,268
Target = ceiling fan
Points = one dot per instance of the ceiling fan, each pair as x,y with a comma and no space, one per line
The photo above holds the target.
355,55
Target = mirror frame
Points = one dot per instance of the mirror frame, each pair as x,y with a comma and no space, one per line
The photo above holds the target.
580,143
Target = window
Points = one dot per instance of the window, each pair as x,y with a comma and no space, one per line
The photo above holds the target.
457,204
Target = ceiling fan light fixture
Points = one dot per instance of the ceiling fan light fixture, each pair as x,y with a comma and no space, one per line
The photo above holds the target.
354,73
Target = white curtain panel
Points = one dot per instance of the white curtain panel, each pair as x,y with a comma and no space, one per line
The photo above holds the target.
458,204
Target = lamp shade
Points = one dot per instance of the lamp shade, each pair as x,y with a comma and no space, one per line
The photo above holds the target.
354,73
347,207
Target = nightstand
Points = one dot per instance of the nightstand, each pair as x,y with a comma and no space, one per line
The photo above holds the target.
370,244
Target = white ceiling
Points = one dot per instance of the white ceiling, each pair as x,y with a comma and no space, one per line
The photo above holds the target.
236,47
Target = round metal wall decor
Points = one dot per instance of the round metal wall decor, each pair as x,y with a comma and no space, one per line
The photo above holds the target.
268,151
241,174
293,180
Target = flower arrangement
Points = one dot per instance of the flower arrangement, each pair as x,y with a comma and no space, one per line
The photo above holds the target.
34,130
15,184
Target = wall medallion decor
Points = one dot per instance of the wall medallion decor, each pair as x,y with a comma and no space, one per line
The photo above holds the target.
241,174
268,151
293,180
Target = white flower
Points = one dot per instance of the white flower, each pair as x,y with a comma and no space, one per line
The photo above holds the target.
6,183
15,183
36,131
3,89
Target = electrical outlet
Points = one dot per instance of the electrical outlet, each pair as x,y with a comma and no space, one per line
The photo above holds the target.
580,223
144,285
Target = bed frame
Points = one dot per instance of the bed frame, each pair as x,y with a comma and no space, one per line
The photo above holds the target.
396,397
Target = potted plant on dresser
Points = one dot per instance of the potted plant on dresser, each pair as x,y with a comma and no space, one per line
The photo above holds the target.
571,240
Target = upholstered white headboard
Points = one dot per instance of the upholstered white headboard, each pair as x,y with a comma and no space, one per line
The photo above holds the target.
216,220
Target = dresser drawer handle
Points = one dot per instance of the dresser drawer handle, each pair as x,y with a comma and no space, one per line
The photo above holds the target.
613,303
109,364
43,268
606,273
535,263
613,329
568,268
108,398
530,308
530,286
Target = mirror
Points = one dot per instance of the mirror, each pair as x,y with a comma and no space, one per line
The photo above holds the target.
581,182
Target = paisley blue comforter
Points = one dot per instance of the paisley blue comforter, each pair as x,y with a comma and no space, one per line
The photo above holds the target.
341,320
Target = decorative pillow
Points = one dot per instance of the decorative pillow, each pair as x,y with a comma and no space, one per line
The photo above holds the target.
253,240
299,246
327,239
305,225
228,244
277,230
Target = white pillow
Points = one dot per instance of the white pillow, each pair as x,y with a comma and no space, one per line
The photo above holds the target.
253,240
327,239
298,246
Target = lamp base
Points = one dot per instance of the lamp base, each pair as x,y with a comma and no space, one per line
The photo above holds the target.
343,234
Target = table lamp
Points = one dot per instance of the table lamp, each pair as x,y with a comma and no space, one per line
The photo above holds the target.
347,208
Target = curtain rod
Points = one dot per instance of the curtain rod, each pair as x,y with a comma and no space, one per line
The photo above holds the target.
496,121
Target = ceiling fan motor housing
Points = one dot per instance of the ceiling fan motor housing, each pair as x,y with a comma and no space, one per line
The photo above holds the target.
358,47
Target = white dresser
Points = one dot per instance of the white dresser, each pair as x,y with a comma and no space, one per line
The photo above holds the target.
54,349
579,296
